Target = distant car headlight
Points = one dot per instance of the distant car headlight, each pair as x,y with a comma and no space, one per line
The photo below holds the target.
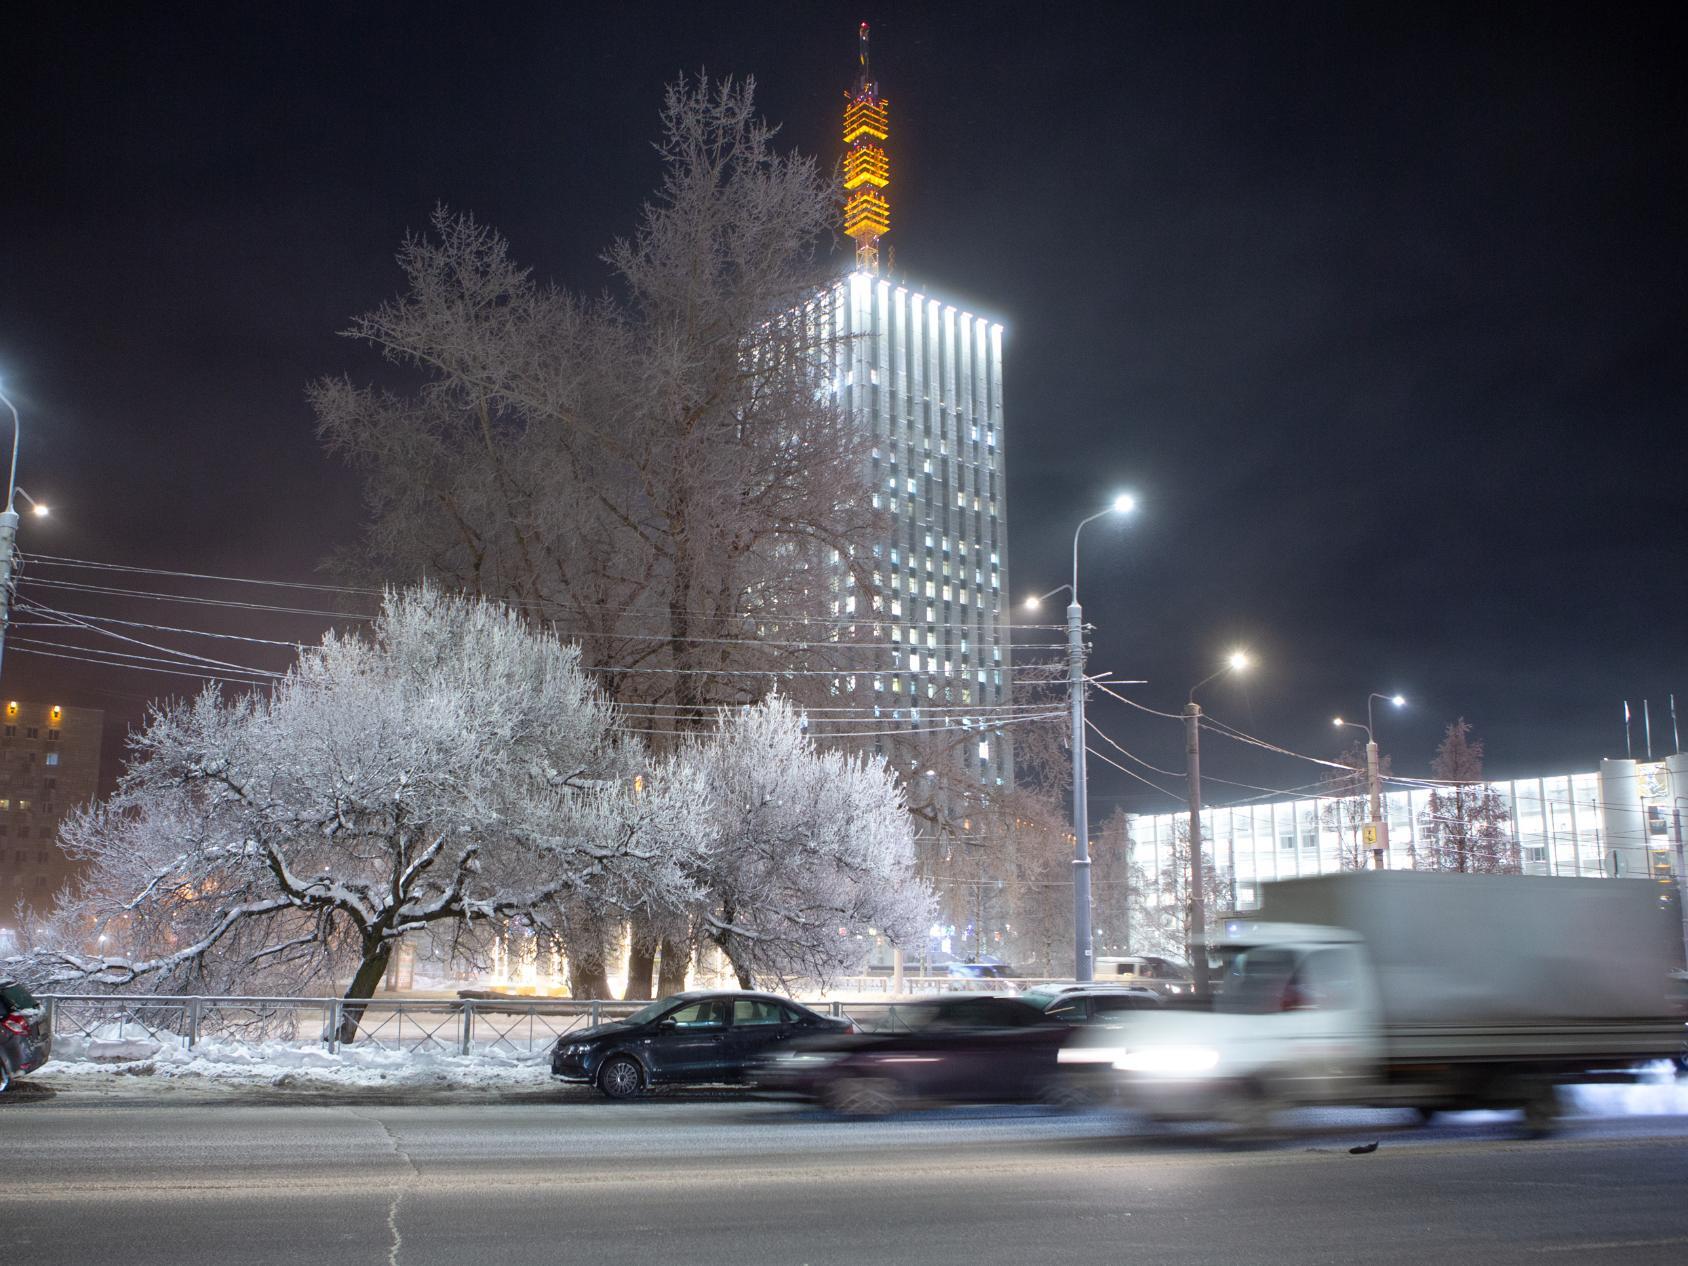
1180,1061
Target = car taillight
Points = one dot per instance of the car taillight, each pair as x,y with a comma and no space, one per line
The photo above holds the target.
15,1024
851,1027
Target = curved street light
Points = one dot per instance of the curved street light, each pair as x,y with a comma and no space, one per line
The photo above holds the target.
1377,829
1236,662
1084,967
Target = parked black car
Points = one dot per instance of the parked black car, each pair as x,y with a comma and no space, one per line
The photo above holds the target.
979,1048
690,1037
25,1043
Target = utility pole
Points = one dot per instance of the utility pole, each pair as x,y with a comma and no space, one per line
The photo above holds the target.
9,527
1084,958
1378,829
1236,662
8,543
1198,898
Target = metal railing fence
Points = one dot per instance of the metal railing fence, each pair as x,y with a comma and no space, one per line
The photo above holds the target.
454,1026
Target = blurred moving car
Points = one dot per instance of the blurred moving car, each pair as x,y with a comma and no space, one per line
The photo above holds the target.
692,1037
1093,1003
1162,975
979,971
978,1048
25,1042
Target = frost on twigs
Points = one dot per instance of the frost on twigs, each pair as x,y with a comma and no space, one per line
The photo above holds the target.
805,848
452,766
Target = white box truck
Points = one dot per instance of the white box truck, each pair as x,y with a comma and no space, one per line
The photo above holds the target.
1406,989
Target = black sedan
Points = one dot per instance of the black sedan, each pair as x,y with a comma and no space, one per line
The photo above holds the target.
691,1037
973,1048
24,1040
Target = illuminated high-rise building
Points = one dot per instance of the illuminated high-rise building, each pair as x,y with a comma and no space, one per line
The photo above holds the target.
925,376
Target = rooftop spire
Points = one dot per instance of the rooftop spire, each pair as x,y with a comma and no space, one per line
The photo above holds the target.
866,169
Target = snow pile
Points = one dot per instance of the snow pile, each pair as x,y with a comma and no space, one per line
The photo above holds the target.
298,1066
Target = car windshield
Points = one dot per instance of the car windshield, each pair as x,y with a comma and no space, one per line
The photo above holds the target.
1040,998
1254,981
650,1011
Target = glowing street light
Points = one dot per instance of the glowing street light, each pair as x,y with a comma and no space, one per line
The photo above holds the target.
1237,661
1083,955
9,524
1376,830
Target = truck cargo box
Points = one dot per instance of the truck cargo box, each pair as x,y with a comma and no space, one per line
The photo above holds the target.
1458,949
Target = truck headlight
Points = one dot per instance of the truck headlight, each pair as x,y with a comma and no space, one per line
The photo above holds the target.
1174,1060
1089,1054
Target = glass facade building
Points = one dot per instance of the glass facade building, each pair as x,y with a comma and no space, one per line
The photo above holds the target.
1625,818
925,378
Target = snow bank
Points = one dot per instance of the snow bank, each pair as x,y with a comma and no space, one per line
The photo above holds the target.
291,1065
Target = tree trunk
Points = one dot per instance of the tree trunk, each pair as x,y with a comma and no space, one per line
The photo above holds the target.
588,978
740,962
376,955
676,962
641,957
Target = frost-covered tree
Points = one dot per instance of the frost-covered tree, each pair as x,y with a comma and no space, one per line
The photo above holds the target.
1465,824
666,471
452,768
807,847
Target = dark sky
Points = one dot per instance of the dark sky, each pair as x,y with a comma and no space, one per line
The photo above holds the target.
1379,309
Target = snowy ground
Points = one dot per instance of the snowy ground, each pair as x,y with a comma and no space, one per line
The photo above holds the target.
129,1066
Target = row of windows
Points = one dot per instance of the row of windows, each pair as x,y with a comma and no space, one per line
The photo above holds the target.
21,857
31,731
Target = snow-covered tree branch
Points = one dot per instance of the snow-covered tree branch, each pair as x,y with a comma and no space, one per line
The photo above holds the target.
454,765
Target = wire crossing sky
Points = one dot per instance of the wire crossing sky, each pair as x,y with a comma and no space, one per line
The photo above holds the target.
1377,311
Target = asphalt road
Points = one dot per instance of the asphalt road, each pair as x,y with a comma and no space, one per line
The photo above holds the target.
705,1179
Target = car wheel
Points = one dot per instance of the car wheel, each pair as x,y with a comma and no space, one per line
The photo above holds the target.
5,1074
621,1078
864,1096
1066,1093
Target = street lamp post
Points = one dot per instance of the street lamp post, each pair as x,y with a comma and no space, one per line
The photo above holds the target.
9,526
1377,829
1084,960
1193,768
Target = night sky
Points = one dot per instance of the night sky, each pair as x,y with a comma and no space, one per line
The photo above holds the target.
1380,311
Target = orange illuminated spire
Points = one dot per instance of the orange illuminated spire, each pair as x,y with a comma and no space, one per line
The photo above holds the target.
866,169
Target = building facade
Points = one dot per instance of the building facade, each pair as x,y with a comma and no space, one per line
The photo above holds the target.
49,765
1626,818
924,377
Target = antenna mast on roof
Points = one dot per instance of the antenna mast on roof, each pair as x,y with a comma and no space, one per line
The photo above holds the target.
867,215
